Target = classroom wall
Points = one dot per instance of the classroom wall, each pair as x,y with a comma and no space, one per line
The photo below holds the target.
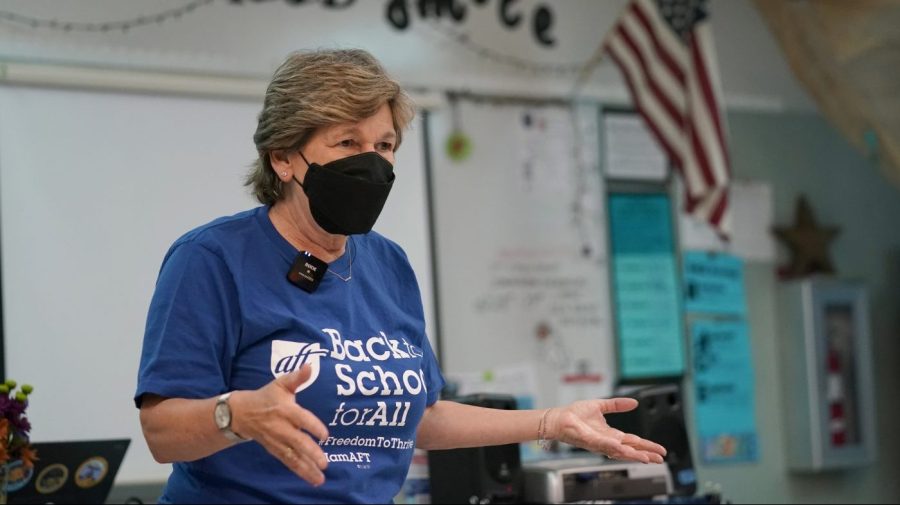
801,153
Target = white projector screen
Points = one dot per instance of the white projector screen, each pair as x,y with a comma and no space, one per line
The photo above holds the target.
94,187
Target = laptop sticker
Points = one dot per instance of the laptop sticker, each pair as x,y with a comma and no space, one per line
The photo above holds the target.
19,475
51,479
91,472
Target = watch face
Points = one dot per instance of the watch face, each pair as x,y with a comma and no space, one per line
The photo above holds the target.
223,415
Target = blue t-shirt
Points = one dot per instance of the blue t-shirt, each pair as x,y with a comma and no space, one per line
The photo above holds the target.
225,317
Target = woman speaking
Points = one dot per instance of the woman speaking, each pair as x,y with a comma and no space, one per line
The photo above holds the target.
285,356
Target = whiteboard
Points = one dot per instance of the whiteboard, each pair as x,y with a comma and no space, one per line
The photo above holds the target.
95,188
521,248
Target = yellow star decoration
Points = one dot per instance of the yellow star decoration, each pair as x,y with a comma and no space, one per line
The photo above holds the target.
808,243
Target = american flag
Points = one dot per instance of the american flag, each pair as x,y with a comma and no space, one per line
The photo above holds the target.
664,49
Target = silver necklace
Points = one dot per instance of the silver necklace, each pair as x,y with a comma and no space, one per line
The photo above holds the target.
349,267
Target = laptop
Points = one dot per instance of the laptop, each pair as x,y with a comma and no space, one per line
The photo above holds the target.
68,472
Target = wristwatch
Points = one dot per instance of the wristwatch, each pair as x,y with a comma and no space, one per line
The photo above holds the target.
222,415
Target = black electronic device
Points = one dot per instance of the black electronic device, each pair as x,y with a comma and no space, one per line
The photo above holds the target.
307,271
68,472
659,417
489,474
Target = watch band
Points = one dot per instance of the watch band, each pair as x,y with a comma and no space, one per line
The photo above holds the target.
222,402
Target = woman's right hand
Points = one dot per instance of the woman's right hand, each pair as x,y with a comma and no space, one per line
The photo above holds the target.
271,416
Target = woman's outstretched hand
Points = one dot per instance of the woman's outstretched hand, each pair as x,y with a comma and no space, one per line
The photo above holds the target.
583,424
271,416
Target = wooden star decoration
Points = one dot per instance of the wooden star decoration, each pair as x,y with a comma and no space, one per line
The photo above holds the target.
807,242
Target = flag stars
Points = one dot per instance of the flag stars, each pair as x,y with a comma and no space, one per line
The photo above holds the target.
681,15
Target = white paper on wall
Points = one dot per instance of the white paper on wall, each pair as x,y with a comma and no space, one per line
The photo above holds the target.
631,151
751,239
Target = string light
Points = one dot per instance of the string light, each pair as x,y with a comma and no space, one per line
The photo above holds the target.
107,26
487,53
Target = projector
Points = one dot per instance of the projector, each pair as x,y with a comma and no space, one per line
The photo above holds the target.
593,479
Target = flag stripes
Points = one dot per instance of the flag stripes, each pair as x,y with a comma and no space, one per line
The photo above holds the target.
672,82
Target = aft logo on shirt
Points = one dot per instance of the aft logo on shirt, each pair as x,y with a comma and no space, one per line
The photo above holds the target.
288,356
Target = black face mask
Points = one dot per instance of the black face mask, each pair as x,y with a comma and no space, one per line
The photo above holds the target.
347,195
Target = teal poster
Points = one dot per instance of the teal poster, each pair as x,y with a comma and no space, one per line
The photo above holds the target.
713,284
646,290
723,391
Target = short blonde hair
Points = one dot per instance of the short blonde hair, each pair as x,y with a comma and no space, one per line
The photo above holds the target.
315,89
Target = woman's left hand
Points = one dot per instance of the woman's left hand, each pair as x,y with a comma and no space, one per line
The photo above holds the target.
583,425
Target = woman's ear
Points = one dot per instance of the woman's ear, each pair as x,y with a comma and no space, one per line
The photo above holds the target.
282,164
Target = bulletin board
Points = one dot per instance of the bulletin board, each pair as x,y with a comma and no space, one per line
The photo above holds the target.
521,251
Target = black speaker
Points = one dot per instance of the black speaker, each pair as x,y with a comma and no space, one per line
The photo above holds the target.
479,474
659,417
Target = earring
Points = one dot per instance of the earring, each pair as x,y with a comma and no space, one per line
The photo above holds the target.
284,174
